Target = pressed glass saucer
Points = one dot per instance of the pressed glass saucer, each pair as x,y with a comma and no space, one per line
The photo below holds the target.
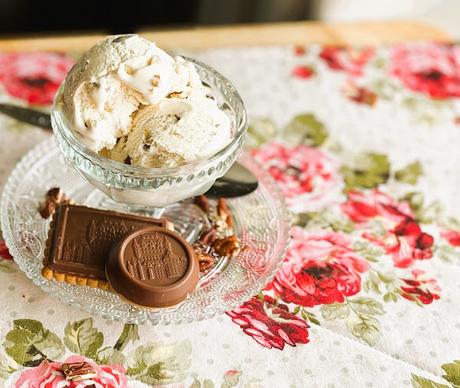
261,222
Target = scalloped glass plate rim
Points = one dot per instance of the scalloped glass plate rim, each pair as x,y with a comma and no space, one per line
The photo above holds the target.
41,151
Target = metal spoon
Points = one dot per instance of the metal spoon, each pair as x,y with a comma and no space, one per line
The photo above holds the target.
237,181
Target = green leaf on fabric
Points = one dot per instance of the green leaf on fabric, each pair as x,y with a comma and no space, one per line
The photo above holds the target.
231,379
81,337
425,214
109,356
7,266
446,252
422,382
452,372
157,363
335,311
207,383
196,383
309,316
129,334
426,110
305,129
29,343
390,297
303,219
260,131
326,219
410,173
369,251
365,327
385,88
368,170
367,306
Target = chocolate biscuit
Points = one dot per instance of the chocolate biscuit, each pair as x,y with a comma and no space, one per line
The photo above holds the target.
80,239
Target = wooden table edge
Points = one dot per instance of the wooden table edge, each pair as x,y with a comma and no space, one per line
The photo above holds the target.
360,33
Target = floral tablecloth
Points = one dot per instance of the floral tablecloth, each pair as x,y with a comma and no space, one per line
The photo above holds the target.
365,145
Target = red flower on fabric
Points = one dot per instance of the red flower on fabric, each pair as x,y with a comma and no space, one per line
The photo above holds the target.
4,252
420,288
319,269
271,326
359,94
452,237
350,60
303,71
33,77
403,238
430,68
300,50
307,177
49,374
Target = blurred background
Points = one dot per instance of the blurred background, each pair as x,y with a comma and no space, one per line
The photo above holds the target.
27,17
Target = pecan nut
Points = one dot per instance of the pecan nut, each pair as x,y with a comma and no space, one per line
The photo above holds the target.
53,198
226,246
208,236
202,202
224,212
78,371
205,260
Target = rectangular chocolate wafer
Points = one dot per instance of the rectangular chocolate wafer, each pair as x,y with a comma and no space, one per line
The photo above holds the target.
80,239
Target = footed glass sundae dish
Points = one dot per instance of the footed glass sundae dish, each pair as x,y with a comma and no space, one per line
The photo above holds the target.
145,128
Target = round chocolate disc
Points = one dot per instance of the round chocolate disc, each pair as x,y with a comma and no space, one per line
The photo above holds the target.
152,267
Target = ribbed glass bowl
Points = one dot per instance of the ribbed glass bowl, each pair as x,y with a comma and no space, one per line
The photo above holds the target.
156,187
261,223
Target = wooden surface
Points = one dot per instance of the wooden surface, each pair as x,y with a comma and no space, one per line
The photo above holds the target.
259,34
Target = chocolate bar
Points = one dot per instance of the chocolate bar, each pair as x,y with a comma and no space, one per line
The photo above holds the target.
80,239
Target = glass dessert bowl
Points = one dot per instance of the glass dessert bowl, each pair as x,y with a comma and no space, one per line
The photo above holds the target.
150,188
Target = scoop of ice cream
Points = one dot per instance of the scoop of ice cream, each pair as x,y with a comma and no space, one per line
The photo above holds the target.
113,79
174,132
132,102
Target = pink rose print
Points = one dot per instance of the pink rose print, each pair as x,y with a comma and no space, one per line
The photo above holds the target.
451,236
404,240
319,269
271,326
429,68
49,375
4,252
350,60
307,177
420,288
33,77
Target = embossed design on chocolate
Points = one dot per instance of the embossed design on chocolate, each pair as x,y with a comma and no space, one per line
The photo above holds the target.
152,267
100,235
155,259
76,251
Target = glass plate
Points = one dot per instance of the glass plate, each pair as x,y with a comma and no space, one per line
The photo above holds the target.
261,223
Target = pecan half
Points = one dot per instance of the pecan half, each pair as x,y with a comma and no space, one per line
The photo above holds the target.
205,260
78,371
208,236
202,202
224,212
174,94
226,246
53,198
